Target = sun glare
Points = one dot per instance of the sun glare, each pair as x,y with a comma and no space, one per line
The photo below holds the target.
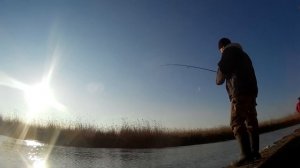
40,97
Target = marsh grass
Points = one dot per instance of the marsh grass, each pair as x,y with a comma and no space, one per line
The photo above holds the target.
141,134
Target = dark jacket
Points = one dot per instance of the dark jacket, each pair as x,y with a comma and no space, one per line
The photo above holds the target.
236,68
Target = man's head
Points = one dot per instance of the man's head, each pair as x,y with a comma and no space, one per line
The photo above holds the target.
299,98
223,42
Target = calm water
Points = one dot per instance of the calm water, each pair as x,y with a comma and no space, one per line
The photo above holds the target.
32,154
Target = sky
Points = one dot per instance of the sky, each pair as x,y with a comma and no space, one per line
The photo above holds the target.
100,60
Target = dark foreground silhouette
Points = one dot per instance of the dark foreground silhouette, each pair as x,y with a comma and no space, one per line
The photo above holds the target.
283,153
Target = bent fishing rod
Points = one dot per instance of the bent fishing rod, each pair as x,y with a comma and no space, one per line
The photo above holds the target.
189,66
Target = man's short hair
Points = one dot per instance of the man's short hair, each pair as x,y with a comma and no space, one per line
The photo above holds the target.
223,42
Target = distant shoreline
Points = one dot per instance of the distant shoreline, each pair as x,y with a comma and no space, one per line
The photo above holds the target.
128,136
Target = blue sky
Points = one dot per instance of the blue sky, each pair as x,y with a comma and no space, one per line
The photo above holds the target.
105,58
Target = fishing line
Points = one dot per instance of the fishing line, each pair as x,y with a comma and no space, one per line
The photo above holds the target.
190,66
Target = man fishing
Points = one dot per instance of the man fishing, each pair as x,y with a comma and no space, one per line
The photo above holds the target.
235,67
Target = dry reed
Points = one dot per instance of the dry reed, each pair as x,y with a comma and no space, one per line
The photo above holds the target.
141,134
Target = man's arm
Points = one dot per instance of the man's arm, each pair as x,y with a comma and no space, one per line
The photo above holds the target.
220,77
227,64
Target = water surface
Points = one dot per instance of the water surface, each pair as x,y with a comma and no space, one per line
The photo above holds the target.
32,154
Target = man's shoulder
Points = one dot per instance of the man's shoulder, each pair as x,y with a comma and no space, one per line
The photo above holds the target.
232,50
233,46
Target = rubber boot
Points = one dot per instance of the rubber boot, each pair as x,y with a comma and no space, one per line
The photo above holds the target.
254,140
246,155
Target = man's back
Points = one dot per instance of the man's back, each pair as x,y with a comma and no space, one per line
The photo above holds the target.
238,70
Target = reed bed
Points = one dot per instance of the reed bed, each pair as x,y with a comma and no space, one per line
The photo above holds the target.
141,134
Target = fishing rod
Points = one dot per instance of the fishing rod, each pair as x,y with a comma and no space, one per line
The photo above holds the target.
189,66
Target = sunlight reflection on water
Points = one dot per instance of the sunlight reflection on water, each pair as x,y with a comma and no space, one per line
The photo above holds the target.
34,154
33,143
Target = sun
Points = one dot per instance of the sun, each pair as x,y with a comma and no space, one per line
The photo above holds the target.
40,97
